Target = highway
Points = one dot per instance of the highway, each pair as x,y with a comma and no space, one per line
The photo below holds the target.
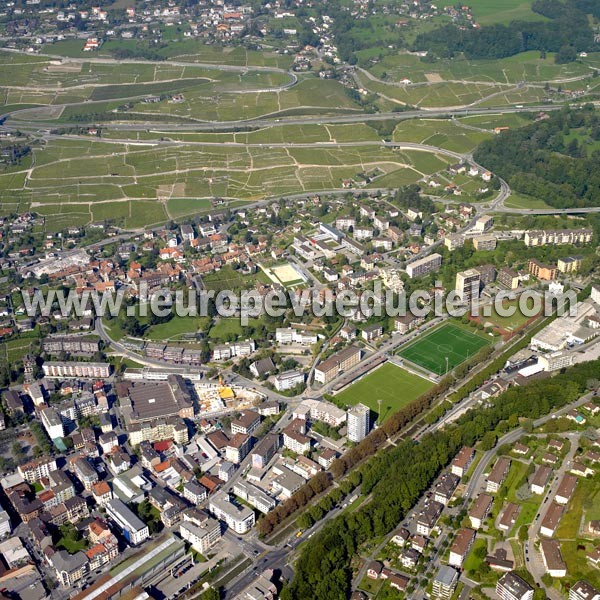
16,123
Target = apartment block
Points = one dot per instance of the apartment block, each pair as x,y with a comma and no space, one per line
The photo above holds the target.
337,363
558,237
424,265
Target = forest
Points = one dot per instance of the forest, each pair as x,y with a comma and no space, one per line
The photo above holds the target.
550,159
398,477
566,32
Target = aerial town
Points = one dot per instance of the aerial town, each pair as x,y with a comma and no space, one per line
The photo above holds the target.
299,300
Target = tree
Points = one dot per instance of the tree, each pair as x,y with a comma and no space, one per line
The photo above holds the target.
488,441
17,452
523,533
211,594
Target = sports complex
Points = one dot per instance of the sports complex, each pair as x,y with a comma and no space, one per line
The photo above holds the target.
443,349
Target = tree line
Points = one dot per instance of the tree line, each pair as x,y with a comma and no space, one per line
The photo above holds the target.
536,160
566,32
398,477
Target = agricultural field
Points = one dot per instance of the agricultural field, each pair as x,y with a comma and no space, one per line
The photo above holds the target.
276,134
527,66
434,95
193,51
137,184
393,385
491,122
448,341
443,133
228,279
310,96
498,11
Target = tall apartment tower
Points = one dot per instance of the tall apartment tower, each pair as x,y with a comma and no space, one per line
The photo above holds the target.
358,422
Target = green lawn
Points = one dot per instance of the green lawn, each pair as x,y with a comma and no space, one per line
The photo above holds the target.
498,11
230,328
509,323
393,385
522,201
177,327
448,341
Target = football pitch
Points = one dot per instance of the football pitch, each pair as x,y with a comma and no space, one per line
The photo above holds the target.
449,341
394,386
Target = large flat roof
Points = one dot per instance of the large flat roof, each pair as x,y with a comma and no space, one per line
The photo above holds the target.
154,400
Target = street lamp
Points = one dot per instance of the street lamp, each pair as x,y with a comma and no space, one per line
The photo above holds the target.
379,410
446,365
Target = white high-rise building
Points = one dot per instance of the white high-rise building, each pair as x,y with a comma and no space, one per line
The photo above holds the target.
358,422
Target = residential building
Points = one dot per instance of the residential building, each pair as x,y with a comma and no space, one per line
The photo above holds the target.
237,448
540,271
508,278
445,487
454,240
133,528
288,380
498,474
76,369
195,492
484,242
254,496
552,557
70,568
511,587
5,524
265,450
371,332
461,546
551,519
157,430
262,367
444,582
480,509
318,410
294,437
286,483
569,264
403,324
247,423
358,422
468,284
102,493
484,223
540,479
558,237
566,487
290,335
424,265
239,518
429,517
509,516
582,590
200,530
462,461
337,363
85,473
34,470
52,423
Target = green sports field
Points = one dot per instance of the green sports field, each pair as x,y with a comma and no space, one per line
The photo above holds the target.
431,350
393,385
